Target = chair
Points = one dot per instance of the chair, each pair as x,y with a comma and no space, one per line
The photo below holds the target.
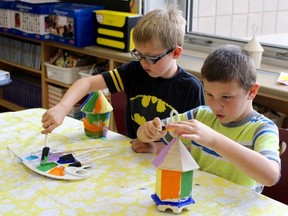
118,101
280,190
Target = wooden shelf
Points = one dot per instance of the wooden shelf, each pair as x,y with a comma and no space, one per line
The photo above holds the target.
56,83
11,106
21,66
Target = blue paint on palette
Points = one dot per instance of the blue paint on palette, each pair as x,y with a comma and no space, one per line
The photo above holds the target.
31,157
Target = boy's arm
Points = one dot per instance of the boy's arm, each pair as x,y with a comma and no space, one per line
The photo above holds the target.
54,116
255,165
252,163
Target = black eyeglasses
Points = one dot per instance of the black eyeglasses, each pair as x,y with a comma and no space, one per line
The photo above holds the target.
149,59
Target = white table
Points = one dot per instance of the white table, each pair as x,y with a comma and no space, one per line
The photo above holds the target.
120,184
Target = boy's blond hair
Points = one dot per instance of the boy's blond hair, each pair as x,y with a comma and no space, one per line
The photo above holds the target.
166,26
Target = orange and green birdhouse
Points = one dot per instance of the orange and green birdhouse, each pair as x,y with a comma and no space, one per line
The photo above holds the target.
174,177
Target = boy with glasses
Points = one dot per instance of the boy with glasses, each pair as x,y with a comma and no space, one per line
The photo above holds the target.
154,84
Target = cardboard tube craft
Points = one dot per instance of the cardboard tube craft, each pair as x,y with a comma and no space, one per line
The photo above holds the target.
96,111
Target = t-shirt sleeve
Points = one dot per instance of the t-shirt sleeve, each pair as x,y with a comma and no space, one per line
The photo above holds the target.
116,78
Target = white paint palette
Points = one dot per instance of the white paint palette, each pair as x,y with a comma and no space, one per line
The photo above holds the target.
53,169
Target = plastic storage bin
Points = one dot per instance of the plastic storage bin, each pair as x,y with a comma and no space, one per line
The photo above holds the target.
64,75
73,24
114,29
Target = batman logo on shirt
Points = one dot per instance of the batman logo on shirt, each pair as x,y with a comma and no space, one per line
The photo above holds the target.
150,108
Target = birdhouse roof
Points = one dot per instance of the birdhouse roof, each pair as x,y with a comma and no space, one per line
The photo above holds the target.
176,157
253,46
96,103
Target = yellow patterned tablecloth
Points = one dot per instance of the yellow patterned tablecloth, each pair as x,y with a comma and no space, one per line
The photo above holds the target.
120,184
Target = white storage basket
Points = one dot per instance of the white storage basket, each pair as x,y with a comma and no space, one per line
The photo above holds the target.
64,75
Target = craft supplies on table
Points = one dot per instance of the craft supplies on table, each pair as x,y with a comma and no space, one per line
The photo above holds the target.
62,164
120,184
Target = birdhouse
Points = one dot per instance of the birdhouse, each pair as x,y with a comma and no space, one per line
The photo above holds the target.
96,111
174,177
255,50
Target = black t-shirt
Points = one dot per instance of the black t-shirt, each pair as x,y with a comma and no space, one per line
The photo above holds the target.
149,97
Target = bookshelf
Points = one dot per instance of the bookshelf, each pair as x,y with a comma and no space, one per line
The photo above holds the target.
274,100
22,58
24,67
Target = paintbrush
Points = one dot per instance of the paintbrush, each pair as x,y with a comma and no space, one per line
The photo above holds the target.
70,158
19,158
82,163
45,151
81,149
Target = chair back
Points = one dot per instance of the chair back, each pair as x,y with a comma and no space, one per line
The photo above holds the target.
280,190
118,101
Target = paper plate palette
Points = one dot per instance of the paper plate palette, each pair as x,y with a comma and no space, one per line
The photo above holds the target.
53,168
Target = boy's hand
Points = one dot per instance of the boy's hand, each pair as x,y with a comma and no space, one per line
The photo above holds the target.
152,147
150,131
52,118
194,130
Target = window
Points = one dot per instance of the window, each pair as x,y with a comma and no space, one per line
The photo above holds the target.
211,23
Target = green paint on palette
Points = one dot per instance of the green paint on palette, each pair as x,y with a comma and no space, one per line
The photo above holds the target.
47,166
44,161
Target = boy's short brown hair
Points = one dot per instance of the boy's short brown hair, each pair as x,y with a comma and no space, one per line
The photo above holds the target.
167,26
228,63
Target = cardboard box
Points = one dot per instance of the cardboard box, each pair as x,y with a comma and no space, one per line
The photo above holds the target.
73,24
114,29
31,20
5,15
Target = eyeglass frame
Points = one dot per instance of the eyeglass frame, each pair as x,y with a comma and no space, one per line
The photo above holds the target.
153,60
